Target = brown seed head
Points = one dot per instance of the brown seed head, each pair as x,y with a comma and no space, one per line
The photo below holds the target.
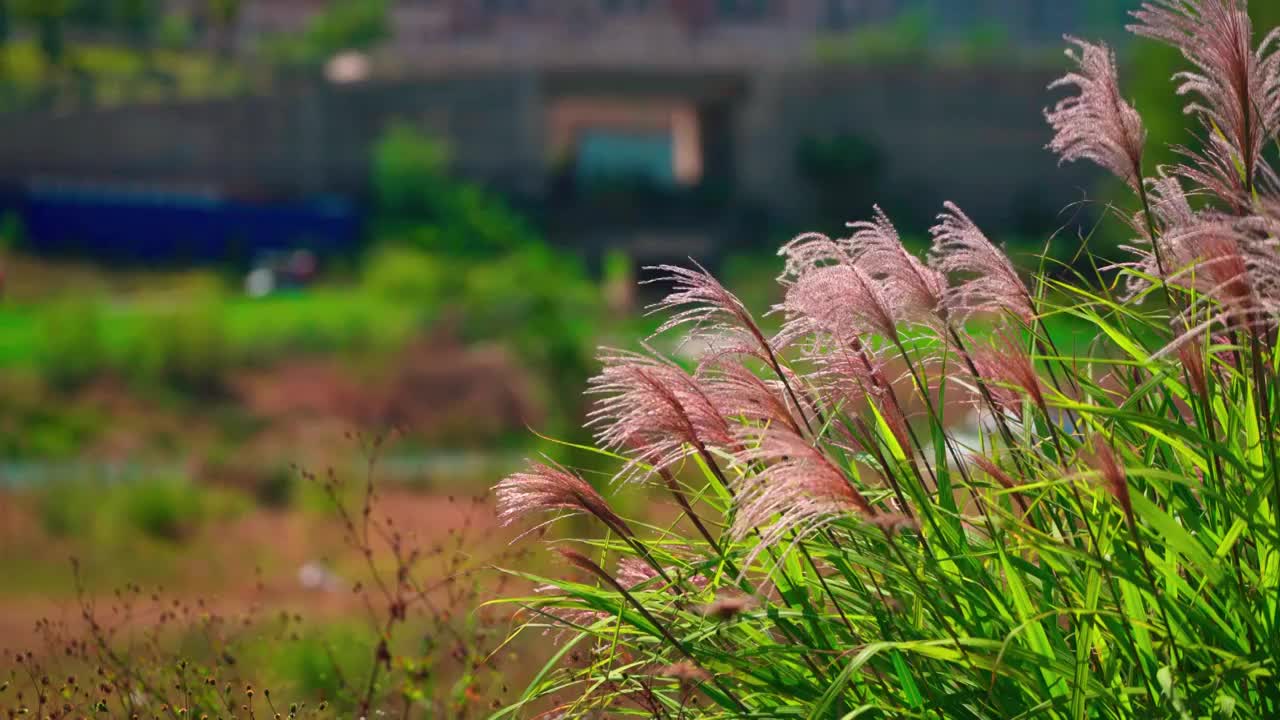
543,487
685,672
1112,475
1097,124
1236,88
653,410
984,280
727,607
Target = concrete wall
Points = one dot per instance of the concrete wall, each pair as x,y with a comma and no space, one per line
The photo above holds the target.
305,140
972,136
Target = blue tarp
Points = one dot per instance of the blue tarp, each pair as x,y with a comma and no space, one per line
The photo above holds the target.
167,228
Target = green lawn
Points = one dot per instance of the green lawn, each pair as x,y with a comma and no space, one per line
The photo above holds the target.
242,329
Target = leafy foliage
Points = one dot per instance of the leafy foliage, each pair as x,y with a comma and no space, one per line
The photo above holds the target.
843,170
904,38
342,25
421,202
449,243
195,343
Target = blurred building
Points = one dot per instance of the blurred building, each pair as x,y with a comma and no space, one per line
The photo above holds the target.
670,127
666,161
704,32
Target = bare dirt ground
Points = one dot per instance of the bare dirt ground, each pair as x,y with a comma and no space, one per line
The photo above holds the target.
263,562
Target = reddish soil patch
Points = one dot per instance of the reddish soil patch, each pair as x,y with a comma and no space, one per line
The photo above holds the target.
15,520
306,412
434,390
256,560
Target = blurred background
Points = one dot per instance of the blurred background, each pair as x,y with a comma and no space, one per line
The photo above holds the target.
241,239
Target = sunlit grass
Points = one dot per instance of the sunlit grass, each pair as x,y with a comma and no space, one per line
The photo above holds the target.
324,320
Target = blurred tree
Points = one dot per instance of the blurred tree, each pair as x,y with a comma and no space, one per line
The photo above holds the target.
49,18
175,31
483,259
844,171
409,170
420,201
906,37
349,25
223,16
987,42
137,20
344,25
6,30
92,14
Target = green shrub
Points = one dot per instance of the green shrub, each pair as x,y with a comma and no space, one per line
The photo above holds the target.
56,433
184,344
71,346
13,233
844,171
66,509
167,509
986,43
447,243
162,508
419,202
275,489
317,663
322,320
903,39
342,25
541,304
175,31
179,341
407,275
409,169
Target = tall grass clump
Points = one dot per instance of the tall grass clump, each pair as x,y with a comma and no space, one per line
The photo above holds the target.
1101,540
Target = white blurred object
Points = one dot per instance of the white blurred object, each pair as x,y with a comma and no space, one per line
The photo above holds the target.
314,576
260,282
348,67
